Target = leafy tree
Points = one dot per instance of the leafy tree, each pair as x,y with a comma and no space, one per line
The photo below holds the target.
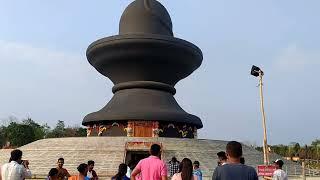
2,136
46,129
70,132
81,132
58,131
75,132
280,149
39,131
19,134
60,126
315,142
259,148
316,148
296,149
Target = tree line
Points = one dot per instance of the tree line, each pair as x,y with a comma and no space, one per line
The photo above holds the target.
294,149
17,134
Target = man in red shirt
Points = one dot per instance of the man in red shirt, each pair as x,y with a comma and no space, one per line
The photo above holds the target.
152,167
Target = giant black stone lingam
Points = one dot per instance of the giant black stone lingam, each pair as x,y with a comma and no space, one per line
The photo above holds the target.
144,62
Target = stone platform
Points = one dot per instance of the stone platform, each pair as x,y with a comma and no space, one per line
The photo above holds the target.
109,152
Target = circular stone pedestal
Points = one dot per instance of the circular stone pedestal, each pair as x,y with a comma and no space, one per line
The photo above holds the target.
109,152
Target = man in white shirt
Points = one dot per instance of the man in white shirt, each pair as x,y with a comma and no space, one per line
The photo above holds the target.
279,174
16,169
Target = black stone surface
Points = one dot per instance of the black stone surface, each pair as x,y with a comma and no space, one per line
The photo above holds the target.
144,61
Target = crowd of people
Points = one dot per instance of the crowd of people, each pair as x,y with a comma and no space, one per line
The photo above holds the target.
231,166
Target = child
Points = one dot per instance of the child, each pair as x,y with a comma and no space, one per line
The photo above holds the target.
196,170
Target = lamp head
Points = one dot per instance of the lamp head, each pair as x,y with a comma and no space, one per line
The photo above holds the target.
255,71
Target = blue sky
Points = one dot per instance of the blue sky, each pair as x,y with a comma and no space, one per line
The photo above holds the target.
44,73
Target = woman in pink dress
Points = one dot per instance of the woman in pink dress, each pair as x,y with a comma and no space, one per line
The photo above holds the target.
185,171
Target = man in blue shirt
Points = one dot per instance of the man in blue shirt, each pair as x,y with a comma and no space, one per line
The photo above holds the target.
234,170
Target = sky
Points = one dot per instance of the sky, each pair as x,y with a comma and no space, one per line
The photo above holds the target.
44,73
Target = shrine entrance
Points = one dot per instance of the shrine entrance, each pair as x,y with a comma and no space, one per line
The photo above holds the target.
133,157
137,150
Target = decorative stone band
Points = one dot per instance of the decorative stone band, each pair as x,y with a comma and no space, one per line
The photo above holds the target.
152,128
144,85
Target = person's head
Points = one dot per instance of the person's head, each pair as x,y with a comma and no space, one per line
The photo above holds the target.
155,150
90,165
222,157
186,169
16,155
122,170
234,150
83,169
196,165
53,174
60,162
174,159
278,163
242,161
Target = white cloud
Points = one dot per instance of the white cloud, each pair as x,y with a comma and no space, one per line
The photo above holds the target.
19,54
294,58
48,85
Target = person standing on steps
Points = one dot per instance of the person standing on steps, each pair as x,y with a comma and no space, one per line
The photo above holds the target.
234,170
152,167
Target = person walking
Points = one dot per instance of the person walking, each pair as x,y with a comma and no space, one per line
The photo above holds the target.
152,167
185,171
279,174
234,170
16,168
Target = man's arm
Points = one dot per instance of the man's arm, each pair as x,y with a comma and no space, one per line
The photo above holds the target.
25,169
134,173
67,173
27,173
164,172
275,177
95,175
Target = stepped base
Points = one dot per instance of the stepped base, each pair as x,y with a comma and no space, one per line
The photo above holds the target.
109,152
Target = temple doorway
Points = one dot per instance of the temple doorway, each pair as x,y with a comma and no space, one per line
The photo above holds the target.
133,157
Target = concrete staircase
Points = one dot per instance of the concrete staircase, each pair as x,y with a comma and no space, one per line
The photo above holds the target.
109,152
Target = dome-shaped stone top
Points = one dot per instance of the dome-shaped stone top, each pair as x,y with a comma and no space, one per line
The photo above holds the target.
147,17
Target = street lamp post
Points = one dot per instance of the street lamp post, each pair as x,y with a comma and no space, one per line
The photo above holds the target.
257,72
